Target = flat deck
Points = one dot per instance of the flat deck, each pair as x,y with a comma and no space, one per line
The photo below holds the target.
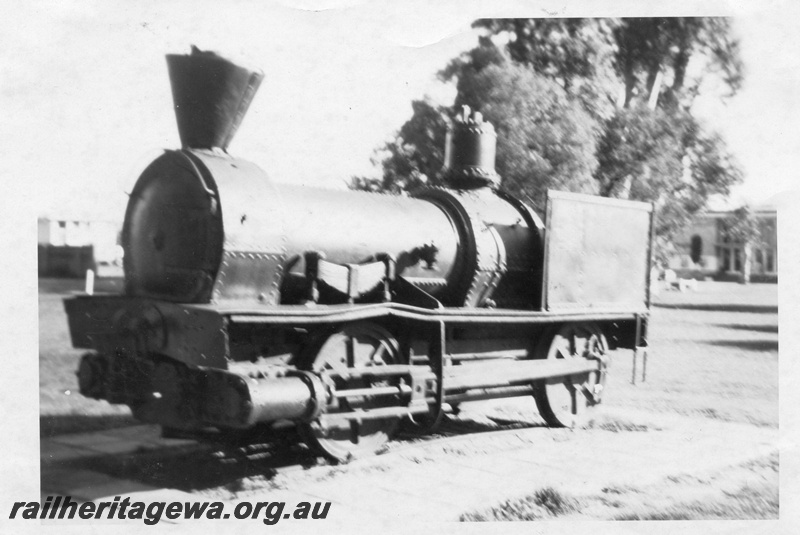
285,314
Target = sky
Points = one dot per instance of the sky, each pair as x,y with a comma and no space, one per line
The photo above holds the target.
87,89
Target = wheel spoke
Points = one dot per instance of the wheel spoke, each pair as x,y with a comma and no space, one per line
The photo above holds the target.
573,396
376,358
350,351
354,347
562,401
339,368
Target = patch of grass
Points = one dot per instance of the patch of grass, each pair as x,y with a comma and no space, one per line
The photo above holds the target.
747,491
555,502
772,462
615,425
543,504
747,503
619,489
331,473
455,451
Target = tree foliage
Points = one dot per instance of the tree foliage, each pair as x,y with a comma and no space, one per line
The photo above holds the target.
415,156
647,46
742,226
544,139
578,54
569,100
666,158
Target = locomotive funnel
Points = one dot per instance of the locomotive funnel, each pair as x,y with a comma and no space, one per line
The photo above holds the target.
211,96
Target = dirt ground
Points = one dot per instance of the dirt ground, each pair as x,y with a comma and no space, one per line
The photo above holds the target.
672,447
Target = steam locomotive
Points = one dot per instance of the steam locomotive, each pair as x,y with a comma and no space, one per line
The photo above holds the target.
251,303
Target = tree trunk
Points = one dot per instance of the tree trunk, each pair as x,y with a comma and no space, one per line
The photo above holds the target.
628,67
748,255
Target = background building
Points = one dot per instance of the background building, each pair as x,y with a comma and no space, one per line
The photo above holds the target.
68,247
705,249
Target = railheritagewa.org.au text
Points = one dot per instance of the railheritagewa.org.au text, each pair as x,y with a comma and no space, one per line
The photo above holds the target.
151,513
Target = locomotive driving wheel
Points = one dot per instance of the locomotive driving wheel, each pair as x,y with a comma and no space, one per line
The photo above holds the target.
353,348
563,401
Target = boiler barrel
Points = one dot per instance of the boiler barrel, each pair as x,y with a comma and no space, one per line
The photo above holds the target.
352,227
202,226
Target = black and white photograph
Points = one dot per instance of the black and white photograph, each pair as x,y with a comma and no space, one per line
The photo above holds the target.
334,265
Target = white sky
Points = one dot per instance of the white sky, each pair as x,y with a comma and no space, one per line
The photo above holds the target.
87,85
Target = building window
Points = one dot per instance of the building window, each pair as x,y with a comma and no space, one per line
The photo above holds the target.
722,232
758,261
696,249
770,262
731,259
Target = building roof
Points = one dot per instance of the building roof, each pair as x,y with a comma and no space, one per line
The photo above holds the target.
719,205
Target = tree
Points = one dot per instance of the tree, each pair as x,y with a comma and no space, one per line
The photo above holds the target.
648,46
553,90
416,155
663,154
743,227
578,54
544,139
652,155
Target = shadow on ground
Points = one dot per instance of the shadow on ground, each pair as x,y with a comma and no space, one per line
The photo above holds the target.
754,328
722,307
53,425
215,460
199,464
748,345
453,426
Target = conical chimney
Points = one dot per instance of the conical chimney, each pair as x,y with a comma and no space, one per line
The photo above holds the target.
211,96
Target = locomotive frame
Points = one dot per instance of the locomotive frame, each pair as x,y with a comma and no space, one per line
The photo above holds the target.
345,350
